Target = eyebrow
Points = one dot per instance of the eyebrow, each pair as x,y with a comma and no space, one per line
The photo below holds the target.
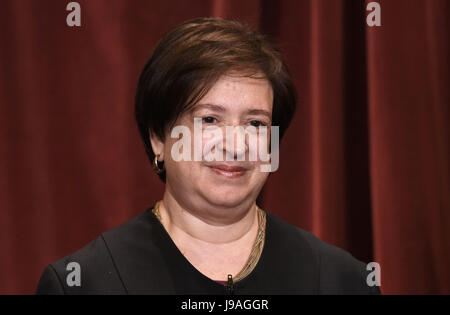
259,112
220,108
215,107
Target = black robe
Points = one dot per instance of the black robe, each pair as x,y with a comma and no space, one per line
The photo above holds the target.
139,257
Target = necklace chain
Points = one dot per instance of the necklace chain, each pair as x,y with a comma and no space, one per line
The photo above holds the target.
257,248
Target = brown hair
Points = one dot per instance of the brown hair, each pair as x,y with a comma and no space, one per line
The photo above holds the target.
190,59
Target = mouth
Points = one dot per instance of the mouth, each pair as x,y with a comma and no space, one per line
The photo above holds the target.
228,171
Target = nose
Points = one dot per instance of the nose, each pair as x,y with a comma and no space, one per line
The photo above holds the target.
235,143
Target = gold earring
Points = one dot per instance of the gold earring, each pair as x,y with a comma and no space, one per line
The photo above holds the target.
158,169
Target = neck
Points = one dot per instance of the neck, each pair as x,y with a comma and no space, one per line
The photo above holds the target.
240,225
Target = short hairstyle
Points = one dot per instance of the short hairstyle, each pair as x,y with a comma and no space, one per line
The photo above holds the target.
191,58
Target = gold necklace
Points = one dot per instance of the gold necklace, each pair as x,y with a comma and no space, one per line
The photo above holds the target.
257,248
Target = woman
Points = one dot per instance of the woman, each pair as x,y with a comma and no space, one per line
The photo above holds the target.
207,235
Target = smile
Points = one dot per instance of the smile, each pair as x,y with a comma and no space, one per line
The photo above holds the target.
228,171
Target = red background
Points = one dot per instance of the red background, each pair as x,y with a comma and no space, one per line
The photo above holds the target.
364,165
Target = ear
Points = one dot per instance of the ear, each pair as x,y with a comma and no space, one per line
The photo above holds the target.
157,145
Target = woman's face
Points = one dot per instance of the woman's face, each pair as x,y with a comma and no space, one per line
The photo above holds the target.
216,185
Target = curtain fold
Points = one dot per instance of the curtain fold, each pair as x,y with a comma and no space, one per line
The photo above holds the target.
408,106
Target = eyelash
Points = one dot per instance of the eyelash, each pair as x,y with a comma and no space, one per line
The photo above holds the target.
259,123
204,120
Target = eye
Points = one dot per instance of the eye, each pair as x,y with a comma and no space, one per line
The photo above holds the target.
208,120
257,123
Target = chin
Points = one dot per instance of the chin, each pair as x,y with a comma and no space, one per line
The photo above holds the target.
226,196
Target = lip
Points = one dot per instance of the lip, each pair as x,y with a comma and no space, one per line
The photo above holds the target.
229,171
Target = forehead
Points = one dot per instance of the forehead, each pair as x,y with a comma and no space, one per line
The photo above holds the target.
237,92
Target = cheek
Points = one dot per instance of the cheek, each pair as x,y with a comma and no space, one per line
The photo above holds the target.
181,171
258,177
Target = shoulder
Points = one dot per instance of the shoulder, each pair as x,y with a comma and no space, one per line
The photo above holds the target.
338,272
94,264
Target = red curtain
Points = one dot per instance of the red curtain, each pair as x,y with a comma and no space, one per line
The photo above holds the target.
364,165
